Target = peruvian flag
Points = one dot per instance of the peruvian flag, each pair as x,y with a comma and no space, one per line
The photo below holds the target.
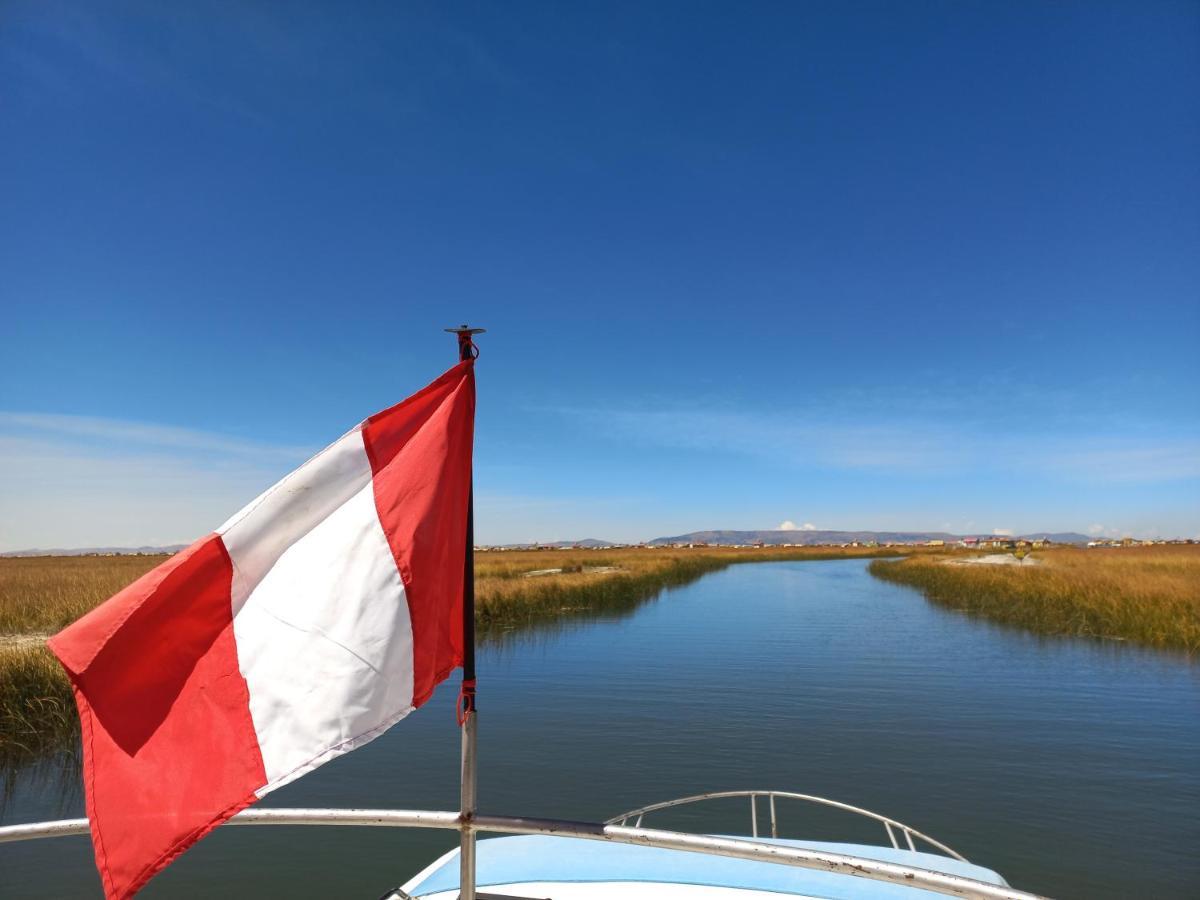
305,626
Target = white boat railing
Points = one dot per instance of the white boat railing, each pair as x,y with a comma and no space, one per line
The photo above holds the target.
837,863
891,826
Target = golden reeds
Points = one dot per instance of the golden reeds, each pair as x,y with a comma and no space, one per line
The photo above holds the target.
37,712
39,596
1149,595
47,593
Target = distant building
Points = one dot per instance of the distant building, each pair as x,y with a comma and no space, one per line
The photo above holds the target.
998,543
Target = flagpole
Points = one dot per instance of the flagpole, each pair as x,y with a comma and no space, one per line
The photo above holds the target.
466,703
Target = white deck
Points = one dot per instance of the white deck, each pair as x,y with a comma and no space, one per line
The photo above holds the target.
541,866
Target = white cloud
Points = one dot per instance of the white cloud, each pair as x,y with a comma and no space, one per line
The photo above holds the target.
808,526
1095,529
788,525
1002,532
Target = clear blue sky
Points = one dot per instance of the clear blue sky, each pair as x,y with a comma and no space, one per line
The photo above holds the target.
853,265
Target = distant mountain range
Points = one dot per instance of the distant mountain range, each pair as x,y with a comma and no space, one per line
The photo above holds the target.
769,538
807,538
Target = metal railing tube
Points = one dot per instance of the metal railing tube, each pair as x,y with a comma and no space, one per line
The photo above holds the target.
873,870
887,826
820,801
60,828
383,818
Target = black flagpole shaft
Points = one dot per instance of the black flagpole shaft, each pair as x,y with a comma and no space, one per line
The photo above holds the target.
464,353
469,603
466,712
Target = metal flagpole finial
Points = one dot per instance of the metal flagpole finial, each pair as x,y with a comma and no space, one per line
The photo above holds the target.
466,346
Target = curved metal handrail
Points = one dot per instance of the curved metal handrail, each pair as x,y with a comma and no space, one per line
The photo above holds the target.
888,823
839,863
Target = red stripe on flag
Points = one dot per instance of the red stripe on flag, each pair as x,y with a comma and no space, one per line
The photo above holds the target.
420,453
169,747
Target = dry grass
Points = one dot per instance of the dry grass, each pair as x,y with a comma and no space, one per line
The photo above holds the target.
39,596
1149,595
47,593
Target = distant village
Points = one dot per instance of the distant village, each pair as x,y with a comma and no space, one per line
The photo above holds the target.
988,542
983,542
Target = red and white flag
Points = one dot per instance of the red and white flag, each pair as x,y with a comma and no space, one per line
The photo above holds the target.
304,627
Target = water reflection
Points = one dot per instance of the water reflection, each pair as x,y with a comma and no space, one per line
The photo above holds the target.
539,631
53,777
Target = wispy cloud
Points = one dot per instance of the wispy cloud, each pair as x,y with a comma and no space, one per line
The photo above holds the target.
891,445
64,41
780,438
1126,460
70,481
103,432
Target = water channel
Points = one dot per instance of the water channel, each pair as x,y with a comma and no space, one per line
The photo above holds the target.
1070,766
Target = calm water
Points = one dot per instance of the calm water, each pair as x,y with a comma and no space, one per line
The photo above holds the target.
1071,767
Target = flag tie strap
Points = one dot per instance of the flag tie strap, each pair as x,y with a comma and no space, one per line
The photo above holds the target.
466,700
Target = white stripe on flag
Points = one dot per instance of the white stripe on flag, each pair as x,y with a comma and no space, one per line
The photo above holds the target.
323,634
258,535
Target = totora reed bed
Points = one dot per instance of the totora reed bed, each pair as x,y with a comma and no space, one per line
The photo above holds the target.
1147,595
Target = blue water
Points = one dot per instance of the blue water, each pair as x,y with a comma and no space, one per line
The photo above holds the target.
1072,767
